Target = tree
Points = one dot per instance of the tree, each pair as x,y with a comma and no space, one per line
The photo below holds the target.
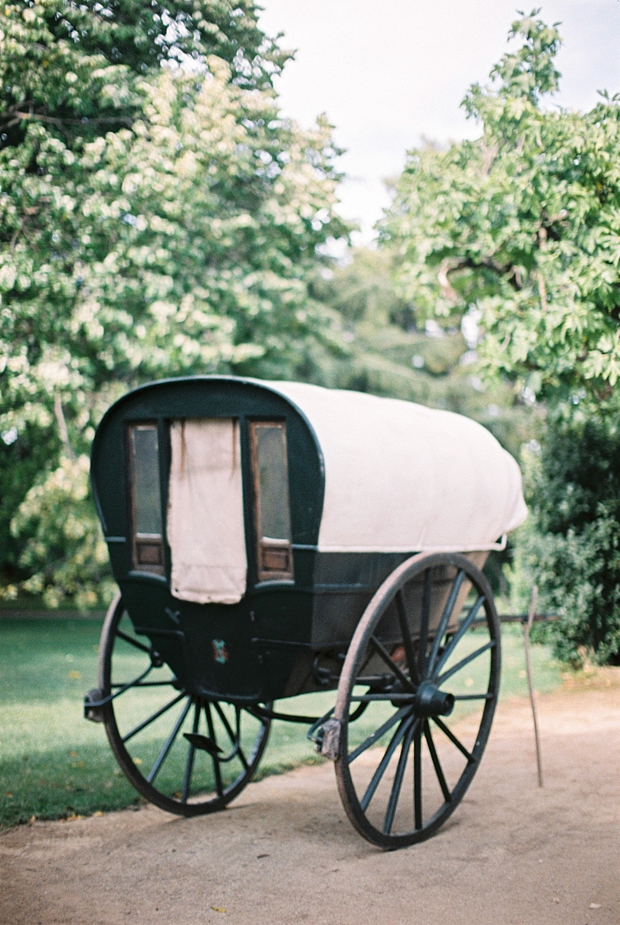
388,350
521,229
570,544
523,226
157,217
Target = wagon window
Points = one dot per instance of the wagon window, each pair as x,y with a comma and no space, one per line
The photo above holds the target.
146,499
272,508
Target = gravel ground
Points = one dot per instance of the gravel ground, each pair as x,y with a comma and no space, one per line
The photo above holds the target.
284,852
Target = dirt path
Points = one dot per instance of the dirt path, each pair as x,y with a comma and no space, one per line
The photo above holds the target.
284,853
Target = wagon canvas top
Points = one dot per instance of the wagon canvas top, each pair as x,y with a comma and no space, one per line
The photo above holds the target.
403,477
230,482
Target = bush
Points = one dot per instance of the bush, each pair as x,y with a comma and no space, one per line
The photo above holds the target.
63,547
570,545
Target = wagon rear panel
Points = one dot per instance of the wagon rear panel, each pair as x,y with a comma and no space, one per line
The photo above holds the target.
211,647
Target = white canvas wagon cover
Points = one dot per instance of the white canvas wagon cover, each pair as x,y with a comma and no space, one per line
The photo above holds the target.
401,477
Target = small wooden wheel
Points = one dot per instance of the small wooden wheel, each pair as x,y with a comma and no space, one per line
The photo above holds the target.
189,755
425,658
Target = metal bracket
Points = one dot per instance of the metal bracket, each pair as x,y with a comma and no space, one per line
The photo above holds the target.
93,703
328,739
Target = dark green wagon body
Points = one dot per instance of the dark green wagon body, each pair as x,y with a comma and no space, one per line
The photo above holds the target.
284,636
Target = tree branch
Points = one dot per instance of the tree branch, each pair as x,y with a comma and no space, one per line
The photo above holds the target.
62,425
15,115
509,272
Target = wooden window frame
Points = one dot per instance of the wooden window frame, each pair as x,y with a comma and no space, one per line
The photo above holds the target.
279,551
143,541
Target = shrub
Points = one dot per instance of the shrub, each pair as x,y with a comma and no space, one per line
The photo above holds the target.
570,545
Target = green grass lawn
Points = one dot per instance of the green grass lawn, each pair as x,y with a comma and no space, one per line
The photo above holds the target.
55,764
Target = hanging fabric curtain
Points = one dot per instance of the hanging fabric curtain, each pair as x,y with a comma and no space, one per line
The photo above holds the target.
205,514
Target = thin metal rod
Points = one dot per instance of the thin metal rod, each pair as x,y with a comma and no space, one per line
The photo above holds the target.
263,714
370,698
453,738
216,764
153,717
381,767
426,615
238,715
523,617
467,622
465,661
190,755
407,640
397,785
169,742
436,763
473,696
417,778
122,688
133,642
445,619
528,667
234,741
378,733
385,655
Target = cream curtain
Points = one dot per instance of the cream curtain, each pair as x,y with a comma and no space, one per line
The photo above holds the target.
205,513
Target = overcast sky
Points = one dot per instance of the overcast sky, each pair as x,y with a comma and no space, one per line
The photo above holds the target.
387,72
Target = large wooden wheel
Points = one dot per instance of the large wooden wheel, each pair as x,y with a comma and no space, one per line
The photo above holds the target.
187,754
425,659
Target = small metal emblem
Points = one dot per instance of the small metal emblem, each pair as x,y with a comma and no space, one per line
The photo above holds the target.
220,652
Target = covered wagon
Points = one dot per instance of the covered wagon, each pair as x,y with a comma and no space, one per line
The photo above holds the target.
274,539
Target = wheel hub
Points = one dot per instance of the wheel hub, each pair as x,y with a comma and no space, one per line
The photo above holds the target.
430,701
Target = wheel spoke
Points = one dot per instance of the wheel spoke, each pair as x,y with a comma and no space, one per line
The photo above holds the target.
467,622
242,757
191,751
225,722
385,655
436,763
133,642
380,771
153,717
378,733
235,741
129,685
417,778
426,610
473,696
465,661
445,618
168,683
453,739
407,640
398,779
216,764
370,698
169,742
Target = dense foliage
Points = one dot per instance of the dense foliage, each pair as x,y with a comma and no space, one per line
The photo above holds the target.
522,226
570,546
387,350
519,231
157,217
